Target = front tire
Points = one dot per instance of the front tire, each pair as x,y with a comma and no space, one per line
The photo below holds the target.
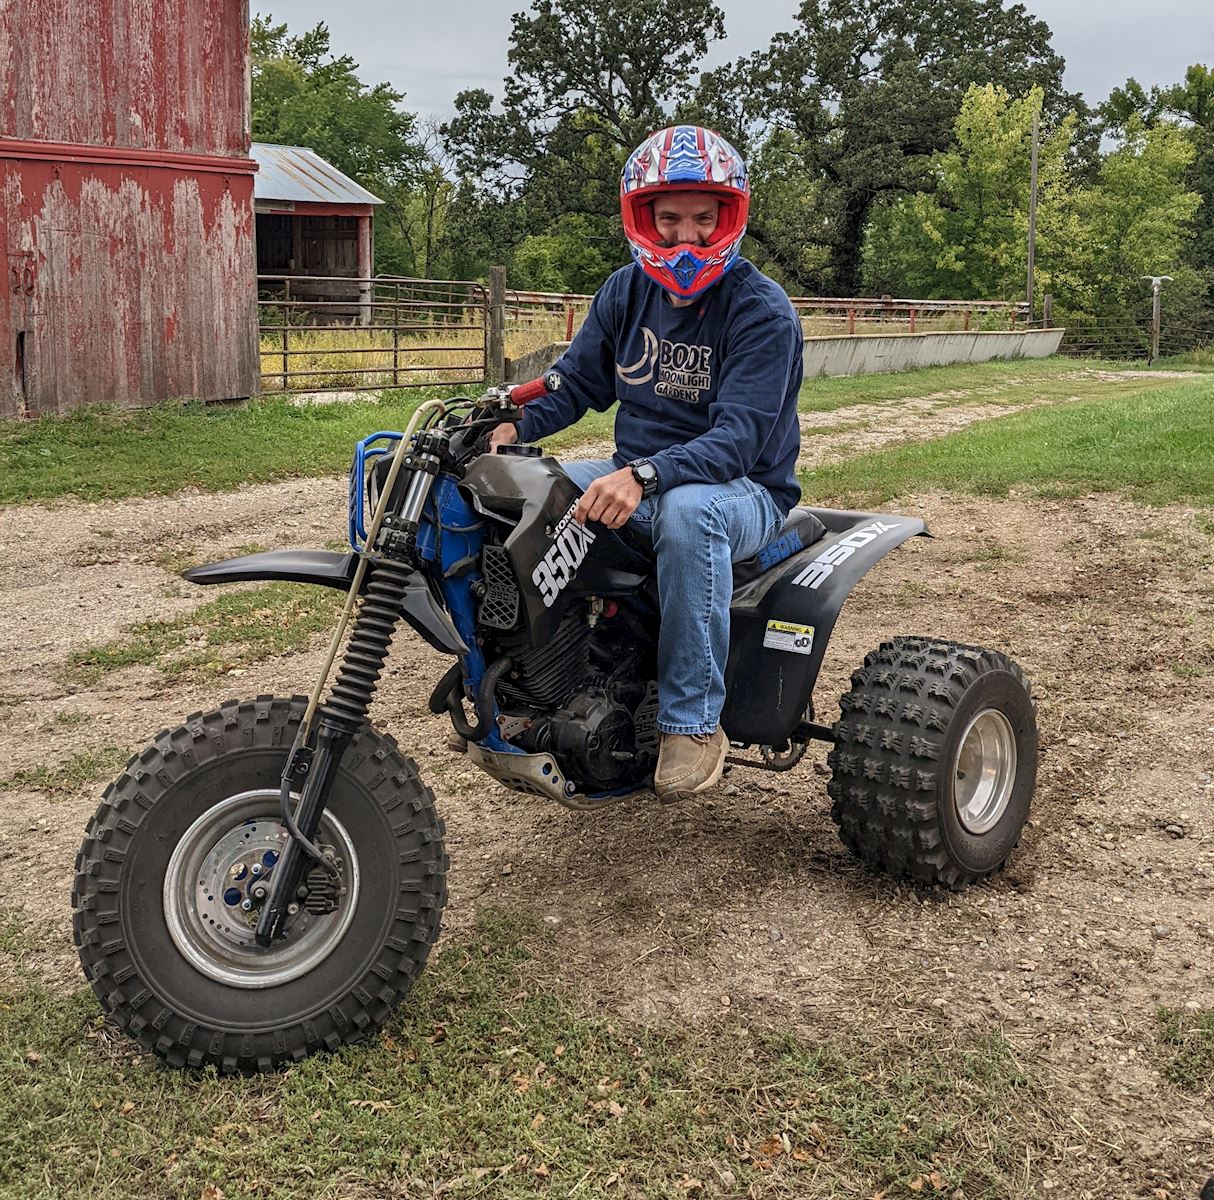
166,868
935,761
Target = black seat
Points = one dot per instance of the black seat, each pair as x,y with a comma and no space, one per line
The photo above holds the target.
800,529
628,550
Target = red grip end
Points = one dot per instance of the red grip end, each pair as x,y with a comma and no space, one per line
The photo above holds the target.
528,391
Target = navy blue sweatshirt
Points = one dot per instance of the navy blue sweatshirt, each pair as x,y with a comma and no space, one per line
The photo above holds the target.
708,393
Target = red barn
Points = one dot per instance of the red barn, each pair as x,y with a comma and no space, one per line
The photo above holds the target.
126,204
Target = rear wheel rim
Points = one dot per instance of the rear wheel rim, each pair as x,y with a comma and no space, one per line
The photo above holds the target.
984,771
216,935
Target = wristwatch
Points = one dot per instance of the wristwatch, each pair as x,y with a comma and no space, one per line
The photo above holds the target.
645,473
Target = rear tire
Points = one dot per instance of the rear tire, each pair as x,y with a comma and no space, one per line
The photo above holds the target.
935,761
161,932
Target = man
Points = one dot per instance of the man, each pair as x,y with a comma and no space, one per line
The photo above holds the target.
703,353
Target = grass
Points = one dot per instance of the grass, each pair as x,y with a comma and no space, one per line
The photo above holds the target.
489,1083
1189,1041
100,454
994,383
233,630
66,719
1155,445
71,776
104,454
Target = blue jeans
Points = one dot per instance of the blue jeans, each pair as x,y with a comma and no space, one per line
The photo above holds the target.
698,531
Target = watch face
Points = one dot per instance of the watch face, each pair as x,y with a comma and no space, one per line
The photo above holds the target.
646,472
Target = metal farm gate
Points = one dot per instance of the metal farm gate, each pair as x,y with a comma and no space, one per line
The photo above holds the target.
370,334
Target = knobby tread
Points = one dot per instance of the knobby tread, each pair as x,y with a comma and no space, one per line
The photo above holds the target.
886,770
135,1005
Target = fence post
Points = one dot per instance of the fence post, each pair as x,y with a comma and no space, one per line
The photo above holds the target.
286,325
912,318
966,326
495,364
1047,311
396,336
851,321
569,323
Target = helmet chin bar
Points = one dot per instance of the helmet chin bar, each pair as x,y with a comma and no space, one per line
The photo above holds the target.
679,269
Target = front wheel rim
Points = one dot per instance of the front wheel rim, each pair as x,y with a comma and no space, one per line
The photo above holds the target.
216,936
984,771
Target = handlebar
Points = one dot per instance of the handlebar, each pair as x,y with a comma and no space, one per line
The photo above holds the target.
531,390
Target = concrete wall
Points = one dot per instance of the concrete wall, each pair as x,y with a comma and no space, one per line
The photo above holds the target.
868,354
534,363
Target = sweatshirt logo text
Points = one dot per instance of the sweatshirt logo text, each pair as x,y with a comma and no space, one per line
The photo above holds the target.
684,371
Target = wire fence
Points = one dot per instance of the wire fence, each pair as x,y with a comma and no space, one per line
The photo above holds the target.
1130,340
821,316
339,333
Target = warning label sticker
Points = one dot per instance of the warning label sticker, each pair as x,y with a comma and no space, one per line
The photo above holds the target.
787,635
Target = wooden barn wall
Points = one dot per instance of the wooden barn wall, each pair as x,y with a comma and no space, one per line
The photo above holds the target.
127,285
126,206
143,74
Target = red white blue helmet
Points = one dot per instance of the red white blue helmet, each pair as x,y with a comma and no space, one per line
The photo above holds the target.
684,158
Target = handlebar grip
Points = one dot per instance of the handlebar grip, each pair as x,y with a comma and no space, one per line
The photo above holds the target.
525,392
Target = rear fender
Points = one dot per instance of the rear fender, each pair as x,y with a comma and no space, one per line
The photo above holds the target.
781,622
333,569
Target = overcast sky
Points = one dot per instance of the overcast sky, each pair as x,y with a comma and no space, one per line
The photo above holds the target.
431,49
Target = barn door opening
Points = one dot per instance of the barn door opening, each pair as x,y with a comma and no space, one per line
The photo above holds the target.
19,374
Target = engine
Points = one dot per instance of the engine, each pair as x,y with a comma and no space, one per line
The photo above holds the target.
582,696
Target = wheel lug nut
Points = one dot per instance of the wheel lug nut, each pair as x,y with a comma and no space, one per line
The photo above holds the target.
247,905
256,868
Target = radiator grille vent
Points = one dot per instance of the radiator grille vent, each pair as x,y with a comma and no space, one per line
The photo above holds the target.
499,606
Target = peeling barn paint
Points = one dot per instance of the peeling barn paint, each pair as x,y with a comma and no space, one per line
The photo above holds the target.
126,207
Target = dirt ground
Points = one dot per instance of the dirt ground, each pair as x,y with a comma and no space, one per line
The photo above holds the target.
746,906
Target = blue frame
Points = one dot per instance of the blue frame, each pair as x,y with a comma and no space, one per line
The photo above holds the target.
364,452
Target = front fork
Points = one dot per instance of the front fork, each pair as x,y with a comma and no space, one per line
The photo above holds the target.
345,711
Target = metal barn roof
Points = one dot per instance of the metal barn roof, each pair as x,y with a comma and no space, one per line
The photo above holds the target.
299,174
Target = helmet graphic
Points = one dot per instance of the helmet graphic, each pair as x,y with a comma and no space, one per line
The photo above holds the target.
684,158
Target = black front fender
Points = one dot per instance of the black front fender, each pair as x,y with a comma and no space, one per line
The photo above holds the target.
781,622
331,568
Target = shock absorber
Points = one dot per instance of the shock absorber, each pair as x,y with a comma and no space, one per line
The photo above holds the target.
363,661
343,714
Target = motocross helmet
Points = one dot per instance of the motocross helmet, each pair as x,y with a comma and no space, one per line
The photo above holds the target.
684,158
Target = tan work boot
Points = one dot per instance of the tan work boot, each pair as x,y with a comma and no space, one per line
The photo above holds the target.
689,764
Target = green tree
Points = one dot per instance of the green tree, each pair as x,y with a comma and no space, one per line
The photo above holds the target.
1138,220
1189,104
588,79
866,91
968,236
303,95
570,257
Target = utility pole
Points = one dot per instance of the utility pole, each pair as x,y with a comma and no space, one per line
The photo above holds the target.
1033,208
1157,282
